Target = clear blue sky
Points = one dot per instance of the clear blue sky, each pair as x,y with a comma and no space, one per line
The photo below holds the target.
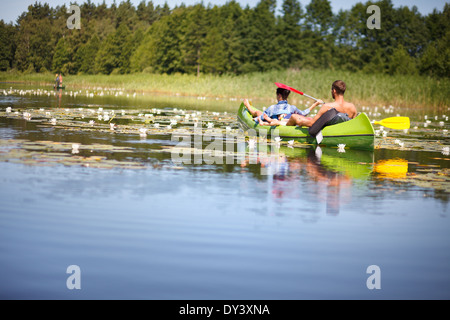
11,10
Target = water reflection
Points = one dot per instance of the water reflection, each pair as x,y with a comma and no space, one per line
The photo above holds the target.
391,168
314,175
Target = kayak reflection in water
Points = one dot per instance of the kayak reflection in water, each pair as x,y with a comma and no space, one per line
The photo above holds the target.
280,113
286,175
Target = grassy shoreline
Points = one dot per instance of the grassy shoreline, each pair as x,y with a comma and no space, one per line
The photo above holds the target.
362,89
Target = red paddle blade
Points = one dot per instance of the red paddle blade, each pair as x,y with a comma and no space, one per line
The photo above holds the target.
283,86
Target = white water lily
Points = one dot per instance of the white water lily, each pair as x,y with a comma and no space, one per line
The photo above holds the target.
277,139
291,142
228,129
156,125
8,110
446,151
105,117
441,123
251,143
143,132
92,122
396,141
401,144
53,121
444,131
173,122
210,125
169,127
112,126
341,147
75,147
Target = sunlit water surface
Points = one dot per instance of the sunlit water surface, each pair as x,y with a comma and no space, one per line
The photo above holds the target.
140,226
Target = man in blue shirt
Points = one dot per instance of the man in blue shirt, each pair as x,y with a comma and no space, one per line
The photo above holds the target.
278,114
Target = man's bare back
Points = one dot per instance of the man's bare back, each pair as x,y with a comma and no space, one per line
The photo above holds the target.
343,107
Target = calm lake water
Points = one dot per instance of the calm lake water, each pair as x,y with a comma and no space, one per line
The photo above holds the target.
141,226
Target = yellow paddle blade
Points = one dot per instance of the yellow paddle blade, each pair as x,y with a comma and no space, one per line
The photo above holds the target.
399,123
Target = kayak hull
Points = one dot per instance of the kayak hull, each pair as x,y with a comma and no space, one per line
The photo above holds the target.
357,133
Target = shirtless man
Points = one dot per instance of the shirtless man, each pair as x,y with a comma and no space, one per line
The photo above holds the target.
346,110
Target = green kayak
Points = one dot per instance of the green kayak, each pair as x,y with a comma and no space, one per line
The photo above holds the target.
357,133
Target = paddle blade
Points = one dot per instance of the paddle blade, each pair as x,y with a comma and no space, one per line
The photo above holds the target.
280,85
399,123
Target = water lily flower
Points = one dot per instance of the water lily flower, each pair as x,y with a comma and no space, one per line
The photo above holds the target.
8,110
251,143
277,139
143,132
156,125
173,122
401,144
92,122
53,121
397,141
444,131
105,117
291,142
75,147
441,123
112,126
169,127
210,125
228,129
446,151
341,147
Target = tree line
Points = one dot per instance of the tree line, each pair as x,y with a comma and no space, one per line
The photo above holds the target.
229,39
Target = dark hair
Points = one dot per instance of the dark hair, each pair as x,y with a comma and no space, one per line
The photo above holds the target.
339,86
283,92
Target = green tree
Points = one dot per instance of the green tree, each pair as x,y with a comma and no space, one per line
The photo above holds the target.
61,58
86,55
7,39
115,51
289,34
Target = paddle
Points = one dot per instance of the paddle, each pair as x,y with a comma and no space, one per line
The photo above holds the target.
280,85
398,123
